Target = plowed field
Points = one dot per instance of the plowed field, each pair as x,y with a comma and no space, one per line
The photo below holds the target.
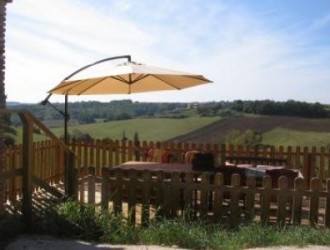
216,131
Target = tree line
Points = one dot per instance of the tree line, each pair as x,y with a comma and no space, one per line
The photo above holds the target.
92,111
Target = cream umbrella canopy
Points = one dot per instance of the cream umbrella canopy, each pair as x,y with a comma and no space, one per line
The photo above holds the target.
126,78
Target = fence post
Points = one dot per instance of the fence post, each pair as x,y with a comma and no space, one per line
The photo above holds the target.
91,185
297,201
27,163
234,199
133,190
146,185
105,189
250,198
175,193
327,206
314,202
70,178
218,196
265,199
205,194
189,196
282,199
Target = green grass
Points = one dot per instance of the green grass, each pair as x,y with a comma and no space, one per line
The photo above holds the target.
70,220
161,129
287,137
149,129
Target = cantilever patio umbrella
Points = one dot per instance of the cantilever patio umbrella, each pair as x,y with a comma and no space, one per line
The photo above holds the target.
127,78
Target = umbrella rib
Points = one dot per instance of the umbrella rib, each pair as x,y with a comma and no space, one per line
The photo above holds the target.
155,76
65,85
119,78
93,85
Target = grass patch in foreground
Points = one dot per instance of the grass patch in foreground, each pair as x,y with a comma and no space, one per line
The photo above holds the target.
70,220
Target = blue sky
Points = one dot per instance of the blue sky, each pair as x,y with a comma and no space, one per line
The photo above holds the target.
250,49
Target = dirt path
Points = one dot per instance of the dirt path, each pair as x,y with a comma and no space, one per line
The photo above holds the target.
37,242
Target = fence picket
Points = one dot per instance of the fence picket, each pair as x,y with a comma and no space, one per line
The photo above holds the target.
234,200
283,200
297,201
265,199
314,202
327,206
250,198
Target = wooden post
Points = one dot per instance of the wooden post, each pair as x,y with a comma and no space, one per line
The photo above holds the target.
132,192
204,194
91,185
105,189
70,178
175,193
188,197
218,196
146,186
27,161
297,201
234,200
265,199
250,198
314,202
282,200
327,207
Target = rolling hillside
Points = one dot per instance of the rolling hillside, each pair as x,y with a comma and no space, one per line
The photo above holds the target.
276,130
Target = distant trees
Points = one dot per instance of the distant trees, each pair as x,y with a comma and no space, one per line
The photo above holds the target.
89,112
288,108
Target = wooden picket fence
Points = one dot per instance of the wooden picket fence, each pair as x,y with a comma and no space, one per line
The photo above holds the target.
142,196
49,166
311,161
49,158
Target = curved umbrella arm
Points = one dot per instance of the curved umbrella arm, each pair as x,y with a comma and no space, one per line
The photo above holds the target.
97,62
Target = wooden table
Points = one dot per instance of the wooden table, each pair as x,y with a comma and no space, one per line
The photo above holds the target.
244,170
156,166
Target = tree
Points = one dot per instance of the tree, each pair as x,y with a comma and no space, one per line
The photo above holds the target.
247,137
2,91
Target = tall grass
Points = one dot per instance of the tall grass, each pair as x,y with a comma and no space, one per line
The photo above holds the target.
71,220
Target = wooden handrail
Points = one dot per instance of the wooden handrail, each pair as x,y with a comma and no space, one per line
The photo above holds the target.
34,120
28,121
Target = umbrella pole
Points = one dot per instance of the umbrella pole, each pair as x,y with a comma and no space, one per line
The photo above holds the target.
66,120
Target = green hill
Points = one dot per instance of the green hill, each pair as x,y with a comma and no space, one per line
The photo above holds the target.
148,129
275,130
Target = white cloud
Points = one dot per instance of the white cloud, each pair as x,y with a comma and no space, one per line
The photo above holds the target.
247,54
